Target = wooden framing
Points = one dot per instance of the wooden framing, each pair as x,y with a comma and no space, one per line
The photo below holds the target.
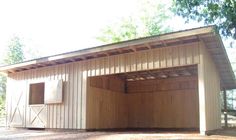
146,103
225,108
187,53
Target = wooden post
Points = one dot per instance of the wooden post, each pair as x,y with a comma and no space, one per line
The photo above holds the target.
225,108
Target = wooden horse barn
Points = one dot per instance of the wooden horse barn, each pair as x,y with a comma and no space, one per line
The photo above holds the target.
172,80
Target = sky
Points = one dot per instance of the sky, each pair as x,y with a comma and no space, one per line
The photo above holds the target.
49,27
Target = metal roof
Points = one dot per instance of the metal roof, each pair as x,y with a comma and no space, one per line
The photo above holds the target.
206,34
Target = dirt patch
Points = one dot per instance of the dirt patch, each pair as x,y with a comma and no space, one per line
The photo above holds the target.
114,135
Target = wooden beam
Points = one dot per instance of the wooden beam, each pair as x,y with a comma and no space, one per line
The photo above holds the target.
72,60
186,73
119,50
164,43
148,46
12,71
173,74
162,75
225,108
133,49
106,53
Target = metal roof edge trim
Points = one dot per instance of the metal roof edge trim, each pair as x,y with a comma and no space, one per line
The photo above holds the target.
226,56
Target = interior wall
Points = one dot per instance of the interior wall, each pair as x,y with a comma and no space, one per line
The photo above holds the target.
165,103
106,103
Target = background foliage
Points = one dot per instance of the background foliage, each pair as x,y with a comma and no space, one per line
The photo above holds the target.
14,55
149,20
222,13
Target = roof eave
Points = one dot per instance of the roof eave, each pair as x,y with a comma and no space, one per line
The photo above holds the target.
168,36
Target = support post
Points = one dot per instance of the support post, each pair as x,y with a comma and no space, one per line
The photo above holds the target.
225,108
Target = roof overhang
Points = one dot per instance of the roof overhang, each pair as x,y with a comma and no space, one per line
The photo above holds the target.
206,34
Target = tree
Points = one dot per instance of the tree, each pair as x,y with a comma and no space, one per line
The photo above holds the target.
124,30
14,52
222,13
2,85
149,21
14,55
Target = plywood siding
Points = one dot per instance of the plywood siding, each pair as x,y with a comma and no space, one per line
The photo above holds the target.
166,103
209,92
166,57
71,113
106,103
65,115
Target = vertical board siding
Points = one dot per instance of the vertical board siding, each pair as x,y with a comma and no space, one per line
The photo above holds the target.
70,96
66,96
105,100
157,57
145,60
71,113
83,95
65,115
150,60
153,104
127,62
145,105
58,76
209,93
79,94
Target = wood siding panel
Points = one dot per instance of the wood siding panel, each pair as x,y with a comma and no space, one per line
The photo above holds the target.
209,93
175,106
122,63
144,60
84,95
150,60
133,61
72,112
128,62
157,58
117,63
139,61
65,115
175,56
163,103
106,103
169,57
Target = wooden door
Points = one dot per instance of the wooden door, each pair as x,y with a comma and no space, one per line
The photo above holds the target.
37,116
16,114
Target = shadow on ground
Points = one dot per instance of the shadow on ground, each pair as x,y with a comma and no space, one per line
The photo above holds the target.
230,132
